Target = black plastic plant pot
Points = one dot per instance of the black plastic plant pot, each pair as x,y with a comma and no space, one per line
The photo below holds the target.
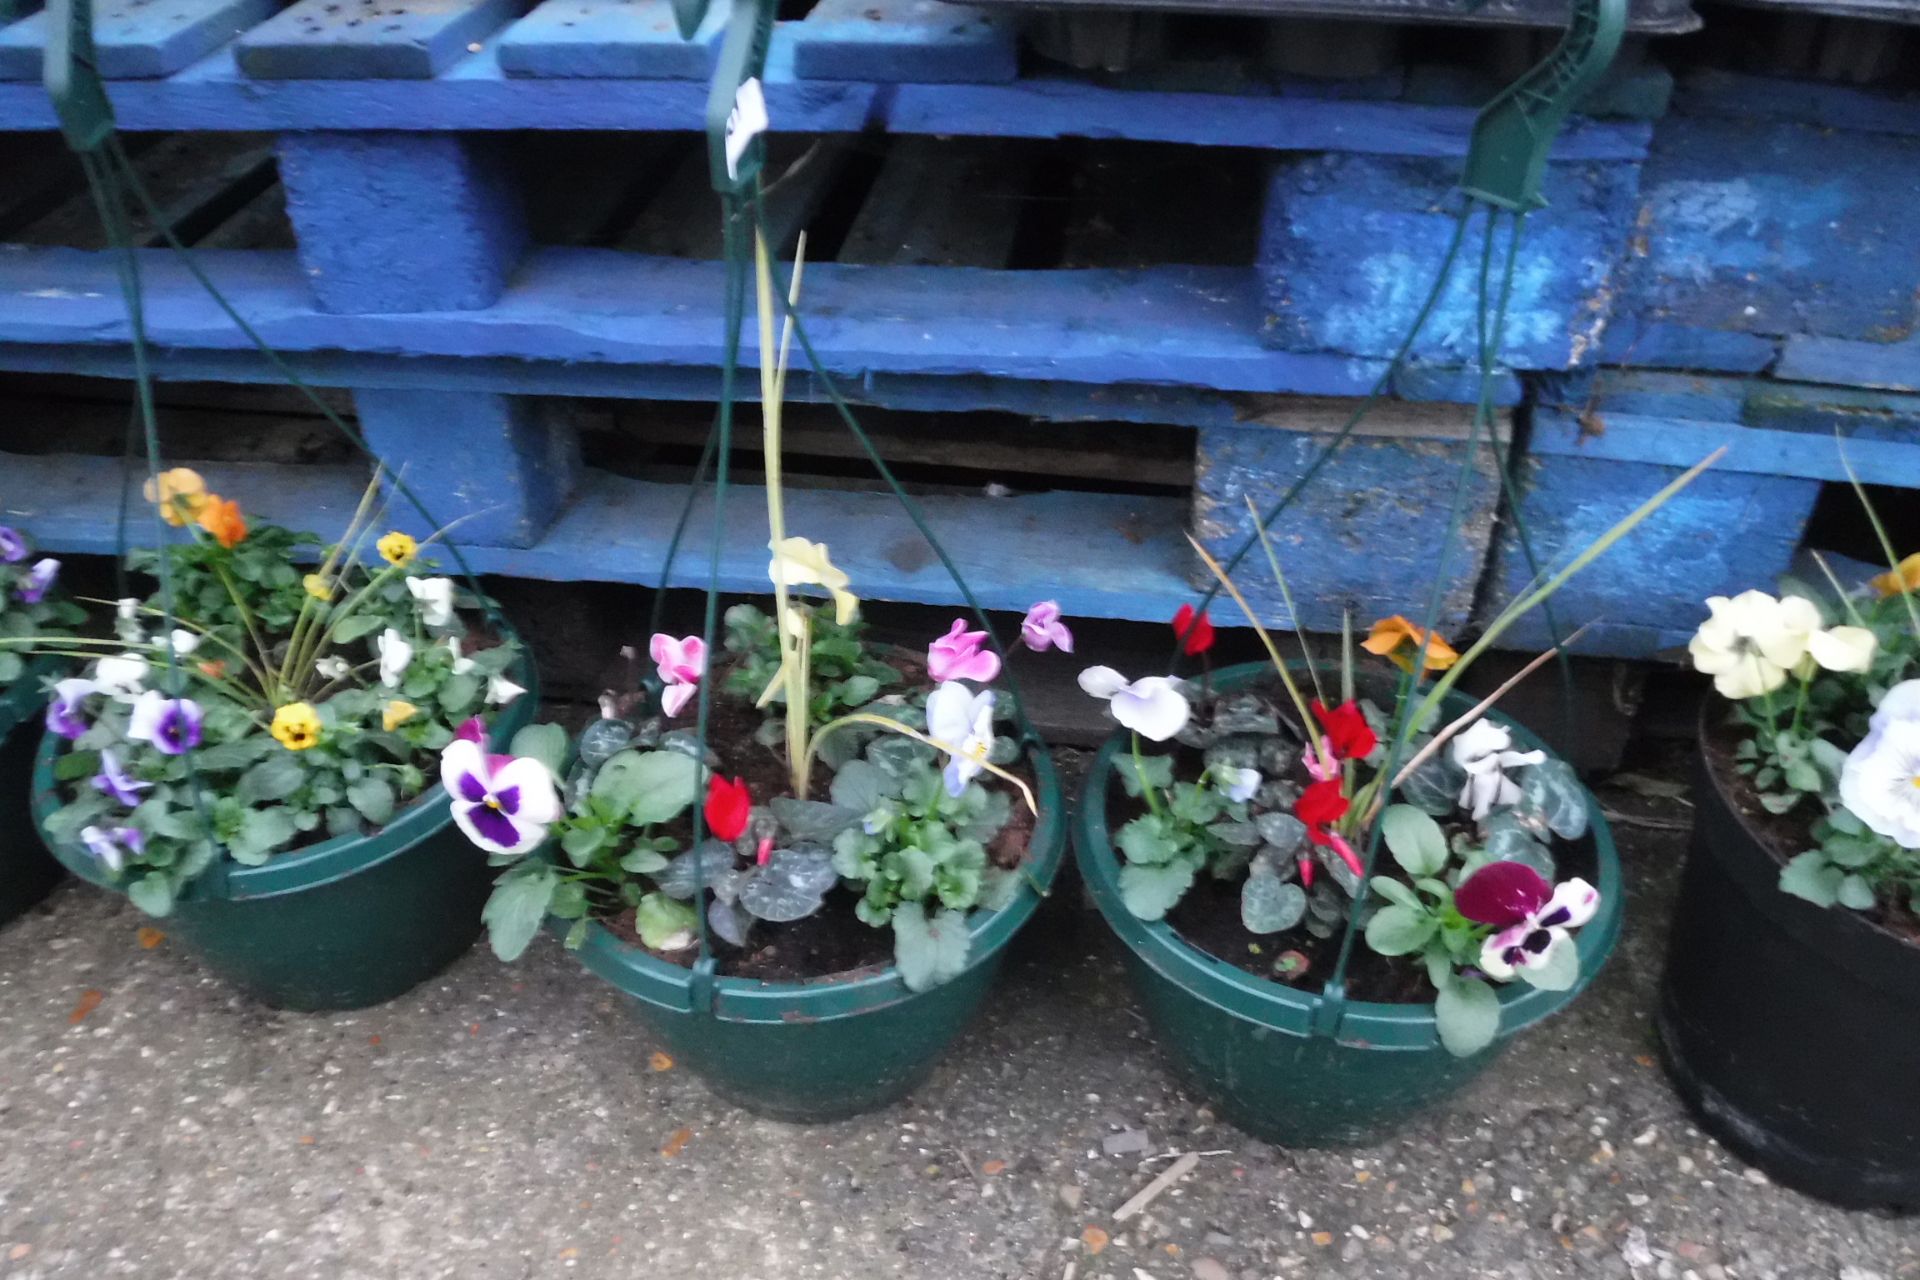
27,872
1792,1031
836,1046
344,924
1278,1061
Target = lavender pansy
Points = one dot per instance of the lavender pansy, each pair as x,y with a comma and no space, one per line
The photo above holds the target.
39,580
113,845
115,782
1237,783
172,725
504,804
13,547
65,712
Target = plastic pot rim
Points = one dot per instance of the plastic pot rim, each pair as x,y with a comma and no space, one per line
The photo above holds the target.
1287,1009
670,987
312,867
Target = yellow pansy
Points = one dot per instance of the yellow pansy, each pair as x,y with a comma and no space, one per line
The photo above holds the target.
398,712
296,726
180,494
797,563
397,548
1902,578
317,587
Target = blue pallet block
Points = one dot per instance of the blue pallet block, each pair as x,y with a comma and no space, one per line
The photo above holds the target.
399,222
1363,537
1351,245
1759,234
369,39
904,41
138,39
636,39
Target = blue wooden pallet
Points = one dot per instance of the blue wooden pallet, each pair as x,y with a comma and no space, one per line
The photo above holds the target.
138,39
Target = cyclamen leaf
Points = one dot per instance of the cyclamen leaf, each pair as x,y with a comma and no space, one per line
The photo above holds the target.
813,820
679,878
928,951
1269,904
1283,831
730,921
1467,1016
1552,790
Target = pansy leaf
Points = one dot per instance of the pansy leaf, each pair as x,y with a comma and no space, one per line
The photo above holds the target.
1157,771
1467,1016
1809,875
1552,791
1856,892
928,950
1396,930
373,797
517,906
648,786
643,862
1395,892
1558,972
998,888
663,924
1268,904
1146,841
1415,840
1149,892
152,893
274,778
861,785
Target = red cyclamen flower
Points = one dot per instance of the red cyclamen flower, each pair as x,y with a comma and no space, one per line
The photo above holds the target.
727,807
1348,732
1321,804
1195,631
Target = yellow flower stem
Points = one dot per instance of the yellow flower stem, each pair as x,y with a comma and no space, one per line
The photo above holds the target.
867,717
1879,531
253,632
799,708
329,570
1525,604
1286,597
344,612
1314,742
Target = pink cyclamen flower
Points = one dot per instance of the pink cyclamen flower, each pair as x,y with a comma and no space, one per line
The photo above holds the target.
958,655
504,804
1531,918
1042,629
680,663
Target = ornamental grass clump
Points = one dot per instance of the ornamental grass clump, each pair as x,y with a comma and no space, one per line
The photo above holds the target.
852,786
1824,694
256,706
1285,786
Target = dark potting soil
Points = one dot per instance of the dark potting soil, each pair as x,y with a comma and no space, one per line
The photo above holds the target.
1207,919
832,941
1783,835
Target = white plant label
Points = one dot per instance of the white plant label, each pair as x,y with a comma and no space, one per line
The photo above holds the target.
747,121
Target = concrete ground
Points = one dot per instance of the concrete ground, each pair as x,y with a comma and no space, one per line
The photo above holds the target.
513,1122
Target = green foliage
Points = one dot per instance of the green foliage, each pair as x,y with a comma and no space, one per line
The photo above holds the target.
844,675
27,626
929,950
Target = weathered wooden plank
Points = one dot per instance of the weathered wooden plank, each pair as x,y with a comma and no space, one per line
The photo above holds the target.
1171,327
397,222
638,39
948,202
368,39
1352,245
1755,231
197,180
508,472
136,39
1363,538
904,41
1893,366
1728,93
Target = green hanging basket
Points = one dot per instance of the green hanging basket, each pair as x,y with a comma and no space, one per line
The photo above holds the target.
344,924
1251,1047
833,1047
27,873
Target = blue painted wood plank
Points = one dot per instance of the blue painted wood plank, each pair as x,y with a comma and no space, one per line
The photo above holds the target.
368,39
475,93
1130,557
498,465
612,39
1191,327
402,222
1351,245
1830,106
1363,537
1680,443
1894,366
905,41
1762,230
138,38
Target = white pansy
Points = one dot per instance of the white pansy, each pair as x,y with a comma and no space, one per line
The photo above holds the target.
1901,703
1152,705
460,665
961,721
184,642
121,677
1880,781
501,691
1484,750
1752,641
1843,648
396,655
435,597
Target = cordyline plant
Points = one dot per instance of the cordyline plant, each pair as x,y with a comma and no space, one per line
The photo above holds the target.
1290,791
907,819
268,707
1827,705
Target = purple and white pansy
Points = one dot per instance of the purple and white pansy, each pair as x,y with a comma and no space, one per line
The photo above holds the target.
1531,919
66,712
33,588
114,782
172,725
114,845
13,547
504,804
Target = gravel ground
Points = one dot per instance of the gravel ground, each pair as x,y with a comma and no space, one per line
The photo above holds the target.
515,1122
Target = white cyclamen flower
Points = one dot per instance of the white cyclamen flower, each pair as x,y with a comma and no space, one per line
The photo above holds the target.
1880,782
961,721
1752,640
396,655
435,597
1152,705
501,691
1484,750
